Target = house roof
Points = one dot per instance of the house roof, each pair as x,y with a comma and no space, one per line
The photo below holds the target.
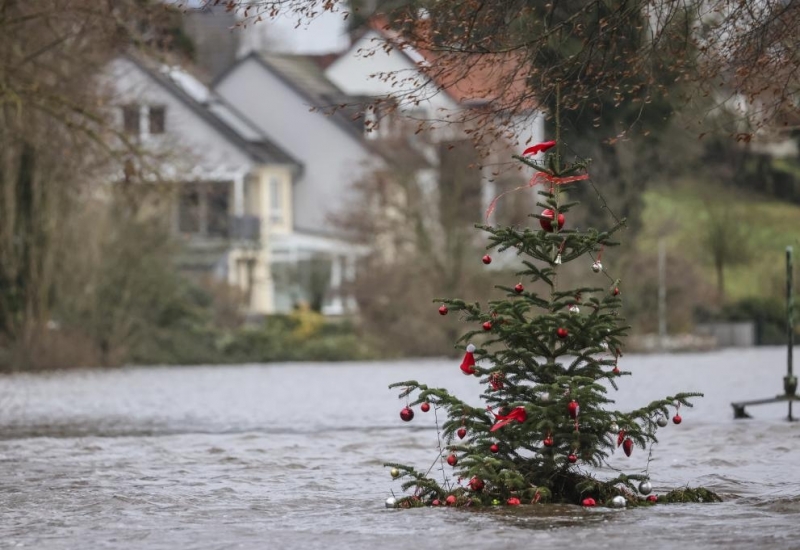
469,79
217,112
305,76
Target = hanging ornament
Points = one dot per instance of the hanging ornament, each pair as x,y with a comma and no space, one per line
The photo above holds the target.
546,221
395,473
461,433
496,381
538,148
494,448
518,288
662,420
544,396
572,458
450,500
597,267
519,414
476,484
627,446
620,437
486,259
391,502
468,363
574,409
562,333
652,498
487,325
435,502
406,414
588,502
677,419
548,441
614,428
452,460
615,292
425,407
615,370
574,309
645,487
513,501
619,502
443,309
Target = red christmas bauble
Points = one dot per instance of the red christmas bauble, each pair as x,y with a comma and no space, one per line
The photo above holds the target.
406,414
452,460
435,502
442,309
627,446
616,291
546,221
589,502
562,333
573,409
572,458
548,441
494,448
476,484
487,325
519,288
677,419
462,432
450,500
513,501
487,259
652,498
616,370
425,407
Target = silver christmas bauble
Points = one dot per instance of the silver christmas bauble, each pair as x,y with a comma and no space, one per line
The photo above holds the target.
574,309
545,397
662,420
395,473
597,267
613,428
391,502
645,488
619,502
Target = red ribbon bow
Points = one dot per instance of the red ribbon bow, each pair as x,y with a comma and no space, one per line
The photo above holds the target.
519,414
538,148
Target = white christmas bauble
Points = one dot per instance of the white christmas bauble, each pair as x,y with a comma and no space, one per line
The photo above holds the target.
574,309
619,502
613,427
391,502
597,267
662,420
545,397
645,488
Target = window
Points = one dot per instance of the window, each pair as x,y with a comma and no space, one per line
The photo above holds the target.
275,200
157,119
130,119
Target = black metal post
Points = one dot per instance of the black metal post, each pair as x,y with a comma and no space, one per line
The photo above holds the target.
790,381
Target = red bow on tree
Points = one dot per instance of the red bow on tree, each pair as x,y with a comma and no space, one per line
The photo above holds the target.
538,148
519,414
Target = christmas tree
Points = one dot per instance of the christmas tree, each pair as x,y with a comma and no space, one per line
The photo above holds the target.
544,363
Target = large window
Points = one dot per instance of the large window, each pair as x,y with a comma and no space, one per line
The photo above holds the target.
131,119
157,119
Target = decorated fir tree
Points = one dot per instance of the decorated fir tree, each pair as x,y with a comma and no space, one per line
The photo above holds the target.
544,363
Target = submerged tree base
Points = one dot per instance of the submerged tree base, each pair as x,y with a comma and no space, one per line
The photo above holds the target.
567,487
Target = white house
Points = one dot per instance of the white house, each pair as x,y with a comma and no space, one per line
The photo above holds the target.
380,65
230,183
289,98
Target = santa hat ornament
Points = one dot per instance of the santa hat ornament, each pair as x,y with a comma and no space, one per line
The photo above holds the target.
468,363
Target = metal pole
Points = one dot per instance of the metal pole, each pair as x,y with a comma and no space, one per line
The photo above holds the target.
662,293
790,382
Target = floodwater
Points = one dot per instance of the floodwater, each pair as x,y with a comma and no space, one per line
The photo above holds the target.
290,456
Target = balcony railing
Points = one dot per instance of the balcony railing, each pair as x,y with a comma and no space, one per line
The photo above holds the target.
223,227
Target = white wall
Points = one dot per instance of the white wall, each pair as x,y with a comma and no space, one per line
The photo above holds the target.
190,141
332,158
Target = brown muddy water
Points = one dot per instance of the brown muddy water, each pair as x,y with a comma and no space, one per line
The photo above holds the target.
289,456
